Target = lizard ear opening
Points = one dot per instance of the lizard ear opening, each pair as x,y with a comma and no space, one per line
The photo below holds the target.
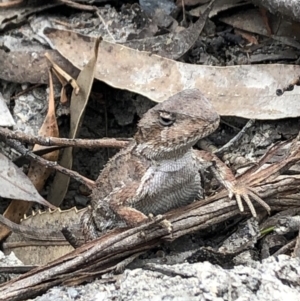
166,119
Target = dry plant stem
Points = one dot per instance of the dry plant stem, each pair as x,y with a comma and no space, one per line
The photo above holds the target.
105,25
49,164
65,75
37,242
53,141
78,6
289,246
235,139
17,270
25,91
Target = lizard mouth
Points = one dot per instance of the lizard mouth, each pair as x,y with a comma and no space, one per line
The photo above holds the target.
168,150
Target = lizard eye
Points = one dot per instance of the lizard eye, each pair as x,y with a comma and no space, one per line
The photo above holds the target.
166,119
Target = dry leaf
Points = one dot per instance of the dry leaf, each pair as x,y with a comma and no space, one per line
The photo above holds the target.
16,185
172,45
251,20
285,7
246,91
5,117
31,253
77,108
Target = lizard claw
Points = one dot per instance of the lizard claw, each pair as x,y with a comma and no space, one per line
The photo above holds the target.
167,224
164,223
242,192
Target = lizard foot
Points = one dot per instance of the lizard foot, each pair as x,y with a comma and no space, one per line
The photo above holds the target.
164,223
242,192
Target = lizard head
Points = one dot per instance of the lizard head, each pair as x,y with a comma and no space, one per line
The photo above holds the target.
175,125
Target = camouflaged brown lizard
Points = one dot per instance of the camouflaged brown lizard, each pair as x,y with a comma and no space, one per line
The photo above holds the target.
159,170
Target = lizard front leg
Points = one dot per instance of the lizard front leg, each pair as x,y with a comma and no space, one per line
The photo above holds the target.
113,211
122,202
235,188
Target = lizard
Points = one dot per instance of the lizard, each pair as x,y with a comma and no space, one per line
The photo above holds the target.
160,170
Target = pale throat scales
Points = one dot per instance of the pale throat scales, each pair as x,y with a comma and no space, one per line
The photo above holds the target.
179,181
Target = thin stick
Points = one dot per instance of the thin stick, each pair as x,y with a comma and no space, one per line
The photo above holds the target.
25,91
235,139
105,25
54,141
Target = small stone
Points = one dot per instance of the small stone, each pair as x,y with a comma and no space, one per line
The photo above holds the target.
72,292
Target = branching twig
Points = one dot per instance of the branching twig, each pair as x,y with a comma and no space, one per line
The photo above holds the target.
50,164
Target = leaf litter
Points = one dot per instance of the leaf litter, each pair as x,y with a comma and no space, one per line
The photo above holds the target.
37,174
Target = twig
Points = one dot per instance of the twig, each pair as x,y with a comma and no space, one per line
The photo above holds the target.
105,25
25,91
235,139
78,5
289,246
17,269
53,141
